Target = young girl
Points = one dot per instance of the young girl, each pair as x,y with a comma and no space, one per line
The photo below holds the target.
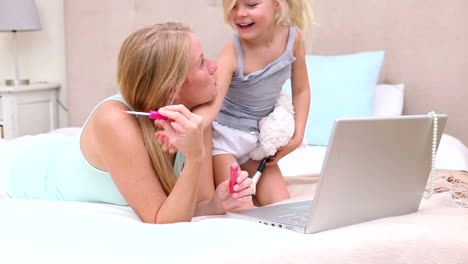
267,50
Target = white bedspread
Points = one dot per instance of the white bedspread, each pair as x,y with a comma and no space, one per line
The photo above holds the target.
33,231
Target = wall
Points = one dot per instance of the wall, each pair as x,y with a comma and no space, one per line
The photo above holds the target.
41,53
426,44
95,31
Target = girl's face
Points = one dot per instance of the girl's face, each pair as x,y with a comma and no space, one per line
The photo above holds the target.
253,17
200,85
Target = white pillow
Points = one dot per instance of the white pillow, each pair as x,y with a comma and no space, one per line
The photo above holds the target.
388,100
452,154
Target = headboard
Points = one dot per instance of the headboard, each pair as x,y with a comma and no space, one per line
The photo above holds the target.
425,43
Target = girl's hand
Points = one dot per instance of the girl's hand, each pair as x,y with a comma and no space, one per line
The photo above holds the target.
283,151
183,131
243,192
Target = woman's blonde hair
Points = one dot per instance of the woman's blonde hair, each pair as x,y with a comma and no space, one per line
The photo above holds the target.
293,12
152,66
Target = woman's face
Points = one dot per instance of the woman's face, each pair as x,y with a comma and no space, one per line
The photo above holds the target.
200,85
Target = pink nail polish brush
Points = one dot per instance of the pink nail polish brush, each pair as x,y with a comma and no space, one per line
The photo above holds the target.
151,114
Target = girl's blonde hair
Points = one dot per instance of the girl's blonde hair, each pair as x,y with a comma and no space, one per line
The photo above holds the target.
152,66
293,12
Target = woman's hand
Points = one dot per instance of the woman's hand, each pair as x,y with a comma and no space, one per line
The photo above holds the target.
243,193
183,131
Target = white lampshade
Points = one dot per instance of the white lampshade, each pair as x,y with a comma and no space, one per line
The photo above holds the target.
18,15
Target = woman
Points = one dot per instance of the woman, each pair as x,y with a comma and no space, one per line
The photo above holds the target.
125,159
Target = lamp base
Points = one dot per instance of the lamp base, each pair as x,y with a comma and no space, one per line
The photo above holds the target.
16,82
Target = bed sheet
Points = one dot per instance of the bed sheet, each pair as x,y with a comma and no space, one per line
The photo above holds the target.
34,231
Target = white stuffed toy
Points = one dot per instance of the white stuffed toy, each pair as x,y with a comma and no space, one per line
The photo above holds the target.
276,129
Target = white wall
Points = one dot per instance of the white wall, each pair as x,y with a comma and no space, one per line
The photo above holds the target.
41,53
425,45
95,30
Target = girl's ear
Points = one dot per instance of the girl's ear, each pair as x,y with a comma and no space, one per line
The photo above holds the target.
279,5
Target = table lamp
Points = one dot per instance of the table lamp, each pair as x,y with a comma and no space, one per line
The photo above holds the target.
18,15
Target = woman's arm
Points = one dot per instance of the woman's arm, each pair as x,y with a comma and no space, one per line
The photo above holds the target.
226,66
120,147
300,99
223,201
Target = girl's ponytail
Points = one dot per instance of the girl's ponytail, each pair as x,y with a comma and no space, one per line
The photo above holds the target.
297,13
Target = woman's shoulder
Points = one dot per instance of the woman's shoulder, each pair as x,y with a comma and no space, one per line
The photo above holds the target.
111,113
109,121
109,130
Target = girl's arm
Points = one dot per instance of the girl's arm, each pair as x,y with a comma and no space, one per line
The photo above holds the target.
300,99
300,90
226,67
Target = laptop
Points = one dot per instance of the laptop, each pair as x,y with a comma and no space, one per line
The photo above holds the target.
374,167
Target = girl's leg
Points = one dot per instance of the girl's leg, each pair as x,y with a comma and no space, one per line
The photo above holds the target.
206,185
221,167
271,188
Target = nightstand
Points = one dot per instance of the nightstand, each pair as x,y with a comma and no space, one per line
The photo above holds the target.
28,109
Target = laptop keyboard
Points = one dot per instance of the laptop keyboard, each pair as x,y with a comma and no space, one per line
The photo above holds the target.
299,218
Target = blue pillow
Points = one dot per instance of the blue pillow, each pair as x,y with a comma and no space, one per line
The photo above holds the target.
341,86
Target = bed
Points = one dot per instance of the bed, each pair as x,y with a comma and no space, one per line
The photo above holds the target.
43,231
72,232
